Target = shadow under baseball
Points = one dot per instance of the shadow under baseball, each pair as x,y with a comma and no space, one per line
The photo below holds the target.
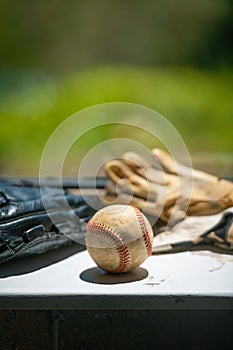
98,276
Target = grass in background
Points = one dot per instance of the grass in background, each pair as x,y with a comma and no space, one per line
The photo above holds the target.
198,103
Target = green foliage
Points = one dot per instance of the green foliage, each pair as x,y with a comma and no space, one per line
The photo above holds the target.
198,103
65,35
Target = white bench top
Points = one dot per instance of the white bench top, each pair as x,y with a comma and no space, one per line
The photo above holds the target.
197,279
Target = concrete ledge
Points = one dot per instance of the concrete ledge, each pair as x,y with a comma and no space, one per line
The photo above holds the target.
123,302
182,281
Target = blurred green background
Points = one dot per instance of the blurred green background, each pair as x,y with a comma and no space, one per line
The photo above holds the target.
57,57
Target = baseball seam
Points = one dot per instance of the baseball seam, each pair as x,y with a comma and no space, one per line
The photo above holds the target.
145,232
112,236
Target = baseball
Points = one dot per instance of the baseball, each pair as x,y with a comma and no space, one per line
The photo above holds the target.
119,238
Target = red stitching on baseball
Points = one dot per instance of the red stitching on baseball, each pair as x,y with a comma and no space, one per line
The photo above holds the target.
112,236
145,232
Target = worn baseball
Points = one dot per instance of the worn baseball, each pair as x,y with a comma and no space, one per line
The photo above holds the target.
119,238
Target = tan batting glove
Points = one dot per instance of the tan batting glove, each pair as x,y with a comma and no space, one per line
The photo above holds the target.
176,190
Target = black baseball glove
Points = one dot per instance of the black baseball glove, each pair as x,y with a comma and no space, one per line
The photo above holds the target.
25,226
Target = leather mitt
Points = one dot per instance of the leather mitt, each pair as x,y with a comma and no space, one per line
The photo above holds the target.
25,226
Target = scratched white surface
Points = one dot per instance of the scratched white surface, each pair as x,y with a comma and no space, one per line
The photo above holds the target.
186,273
